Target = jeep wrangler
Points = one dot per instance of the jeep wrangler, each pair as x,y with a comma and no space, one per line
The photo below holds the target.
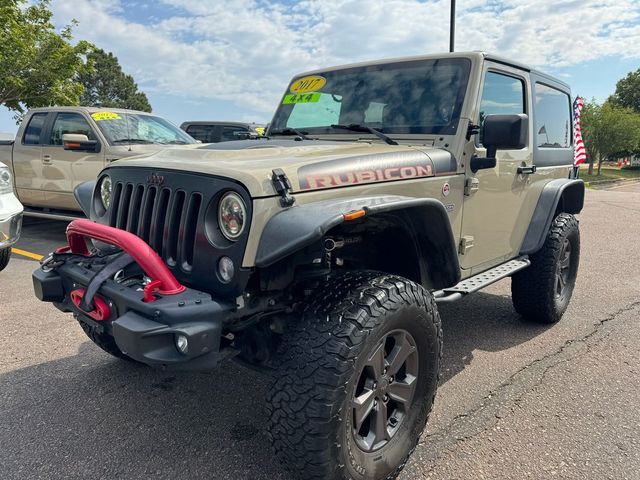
320,252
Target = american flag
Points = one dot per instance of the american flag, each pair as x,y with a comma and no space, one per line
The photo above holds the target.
580,154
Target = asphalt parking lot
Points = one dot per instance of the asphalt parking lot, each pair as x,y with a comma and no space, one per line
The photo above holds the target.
517,400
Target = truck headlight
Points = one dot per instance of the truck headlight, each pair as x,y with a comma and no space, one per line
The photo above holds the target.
105,191
232,214
5,180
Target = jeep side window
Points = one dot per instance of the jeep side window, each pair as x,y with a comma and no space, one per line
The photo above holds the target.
501,95
69,123
553,117
32,132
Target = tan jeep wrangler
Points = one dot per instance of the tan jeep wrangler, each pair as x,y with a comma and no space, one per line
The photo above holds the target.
319,253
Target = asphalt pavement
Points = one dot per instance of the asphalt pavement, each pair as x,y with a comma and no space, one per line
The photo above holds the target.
517,400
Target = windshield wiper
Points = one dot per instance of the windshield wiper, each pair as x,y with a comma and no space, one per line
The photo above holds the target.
132,140
175,142
357,127
291,131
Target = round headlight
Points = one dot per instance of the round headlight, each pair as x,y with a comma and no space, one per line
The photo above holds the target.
105,191
232,214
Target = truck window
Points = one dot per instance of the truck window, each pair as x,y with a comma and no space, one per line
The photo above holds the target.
204,133
501,95
553,117
69,123
232,133
34,128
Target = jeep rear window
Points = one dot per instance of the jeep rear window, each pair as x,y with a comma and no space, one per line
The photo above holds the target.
422,96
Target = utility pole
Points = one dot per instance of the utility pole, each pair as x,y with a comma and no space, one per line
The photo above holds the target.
452,26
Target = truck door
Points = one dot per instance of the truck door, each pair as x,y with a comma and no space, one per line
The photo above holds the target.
494,198
65,169
27,159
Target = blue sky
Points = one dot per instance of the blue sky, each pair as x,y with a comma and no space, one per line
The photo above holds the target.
231,60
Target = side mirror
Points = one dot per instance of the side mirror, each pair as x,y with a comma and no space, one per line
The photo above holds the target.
79,143
501,132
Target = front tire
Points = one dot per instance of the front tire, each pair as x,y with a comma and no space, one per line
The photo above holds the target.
105,341
356,378
541,292
5,255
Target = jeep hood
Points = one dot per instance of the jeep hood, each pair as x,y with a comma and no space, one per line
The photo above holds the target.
309,165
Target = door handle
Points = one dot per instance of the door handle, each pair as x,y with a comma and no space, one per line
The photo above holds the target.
46,159
527,170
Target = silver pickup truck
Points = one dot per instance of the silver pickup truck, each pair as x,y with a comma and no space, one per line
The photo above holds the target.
57,148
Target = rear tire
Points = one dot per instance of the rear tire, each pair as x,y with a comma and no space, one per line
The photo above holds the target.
105,341
541,292
5,255
356,378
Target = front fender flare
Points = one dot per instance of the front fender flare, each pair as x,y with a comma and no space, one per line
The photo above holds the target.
297,227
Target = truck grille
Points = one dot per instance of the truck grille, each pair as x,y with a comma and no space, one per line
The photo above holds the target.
166,219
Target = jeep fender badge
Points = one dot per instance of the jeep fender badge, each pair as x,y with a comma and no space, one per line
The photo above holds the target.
446,189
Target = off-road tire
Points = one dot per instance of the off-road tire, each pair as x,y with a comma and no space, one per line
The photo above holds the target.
321,358
5,255
533,290
105,341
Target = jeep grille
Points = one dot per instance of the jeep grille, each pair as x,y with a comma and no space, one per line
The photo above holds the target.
164,218
176,213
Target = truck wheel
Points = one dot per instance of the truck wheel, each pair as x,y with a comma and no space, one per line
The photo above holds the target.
356,378
541,292
104,341
5,255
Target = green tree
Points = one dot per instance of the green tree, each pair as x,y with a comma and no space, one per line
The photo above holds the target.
38,65
627,92
106,85
608,130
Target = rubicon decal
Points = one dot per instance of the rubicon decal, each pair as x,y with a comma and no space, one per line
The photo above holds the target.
368,169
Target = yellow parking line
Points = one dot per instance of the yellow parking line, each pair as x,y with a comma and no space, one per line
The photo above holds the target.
24,253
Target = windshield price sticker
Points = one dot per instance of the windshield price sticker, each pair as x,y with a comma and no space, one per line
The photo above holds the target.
304,98
308,84
98,116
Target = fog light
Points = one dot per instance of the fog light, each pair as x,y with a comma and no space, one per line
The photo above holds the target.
226,269
182,344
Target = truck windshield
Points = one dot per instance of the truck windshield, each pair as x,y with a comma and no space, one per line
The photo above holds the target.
121,128
422,96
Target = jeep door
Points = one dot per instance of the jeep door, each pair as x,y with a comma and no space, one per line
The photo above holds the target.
64,169
494,223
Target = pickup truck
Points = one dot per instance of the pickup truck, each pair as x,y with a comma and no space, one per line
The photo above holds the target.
58,148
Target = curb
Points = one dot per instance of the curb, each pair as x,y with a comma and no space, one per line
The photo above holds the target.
603,183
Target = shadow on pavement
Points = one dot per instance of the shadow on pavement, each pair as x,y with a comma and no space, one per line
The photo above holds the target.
90,416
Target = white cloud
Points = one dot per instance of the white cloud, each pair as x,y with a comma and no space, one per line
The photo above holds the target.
245,51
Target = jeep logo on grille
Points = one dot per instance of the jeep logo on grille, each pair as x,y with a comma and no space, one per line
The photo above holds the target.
155,179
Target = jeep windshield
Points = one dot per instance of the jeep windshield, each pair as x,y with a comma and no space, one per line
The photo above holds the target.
413,97
123,128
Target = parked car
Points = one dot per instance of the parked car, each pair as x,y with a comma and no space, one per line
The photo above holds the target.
58,148
320,254
10,216
214,132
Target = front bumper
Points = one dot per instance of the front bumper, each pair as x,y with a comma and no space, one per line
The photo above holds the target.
144,330
10,220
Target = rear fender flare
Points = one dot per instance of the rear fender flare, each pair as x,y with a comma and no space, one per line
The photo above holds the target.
560,195
297,227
